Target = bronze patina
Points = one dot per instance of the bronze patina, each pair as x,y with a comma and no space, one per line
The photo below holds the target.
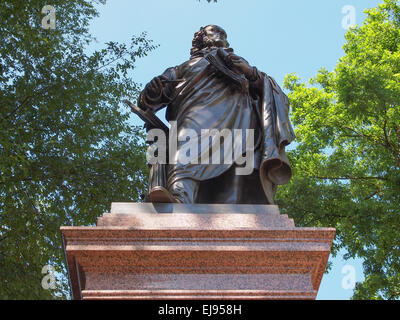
217,89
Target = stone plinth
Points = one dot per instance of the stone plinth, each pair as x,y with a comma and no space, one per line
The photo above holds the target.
177,251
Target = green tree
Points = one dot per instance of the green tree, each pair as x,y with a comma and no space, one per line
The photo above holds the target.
66,147
347,160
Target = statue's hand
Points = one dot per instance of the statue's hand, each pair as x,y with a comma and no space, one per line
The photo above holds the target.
155,87
239,65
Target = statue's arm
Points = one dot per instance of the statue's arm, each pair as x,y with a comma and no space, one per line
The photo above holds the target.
256,81
252,74
158,92
256,78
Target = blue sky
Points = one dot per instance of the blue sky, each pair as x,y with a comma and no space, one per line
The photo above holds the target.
279,37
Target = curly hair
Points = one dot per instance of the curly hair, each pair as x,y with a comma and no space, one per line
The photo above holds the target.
201,41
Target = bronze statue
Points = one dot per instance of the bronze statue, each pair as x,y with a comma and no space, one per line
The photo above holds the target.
216,89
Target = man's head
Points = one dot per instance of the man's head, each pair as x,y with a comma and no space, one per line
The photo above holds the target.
208,37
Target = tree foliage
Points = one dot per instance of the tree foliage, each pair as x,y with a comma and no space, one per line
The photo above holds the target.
347,161
66,147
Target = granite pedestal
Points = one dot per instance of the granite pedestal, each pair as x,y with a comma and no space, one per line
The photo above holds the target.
178,251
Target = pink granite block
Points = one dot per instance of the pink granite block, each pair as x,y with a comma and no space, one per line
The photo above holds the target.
172,251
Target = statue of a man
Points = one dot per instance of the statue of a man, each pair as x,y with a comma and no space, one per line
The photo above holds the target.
218,90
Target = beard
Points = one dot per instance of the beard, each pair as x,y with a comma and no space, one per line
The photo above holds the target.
220,43
206,45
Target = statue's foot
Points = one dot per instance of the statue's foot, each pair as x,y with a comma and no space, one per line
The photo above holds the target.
161,195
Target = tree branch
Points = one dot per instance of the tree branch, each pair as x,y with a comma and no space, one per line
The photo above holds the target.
26,100
351,178
394,295
370,138
372,194
16,109
385,143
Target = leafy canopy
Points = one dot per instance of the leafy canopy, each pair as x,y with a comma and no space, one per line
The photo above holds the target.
347,161
66,147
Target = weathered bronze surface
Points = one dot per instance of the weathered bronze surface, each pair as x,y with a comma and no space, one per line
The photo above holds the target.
217,89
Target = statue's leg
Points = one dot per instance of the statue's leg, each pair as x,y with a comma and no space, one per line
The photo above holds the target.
250,189
158,191
233,189
158,175
184,190
222,189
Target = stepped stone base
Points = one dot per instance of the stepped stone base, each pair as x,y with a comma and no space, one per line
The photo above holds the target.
178,251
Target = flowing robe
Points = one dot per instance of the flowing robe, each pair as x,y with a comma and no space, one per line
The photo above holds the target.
207,100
